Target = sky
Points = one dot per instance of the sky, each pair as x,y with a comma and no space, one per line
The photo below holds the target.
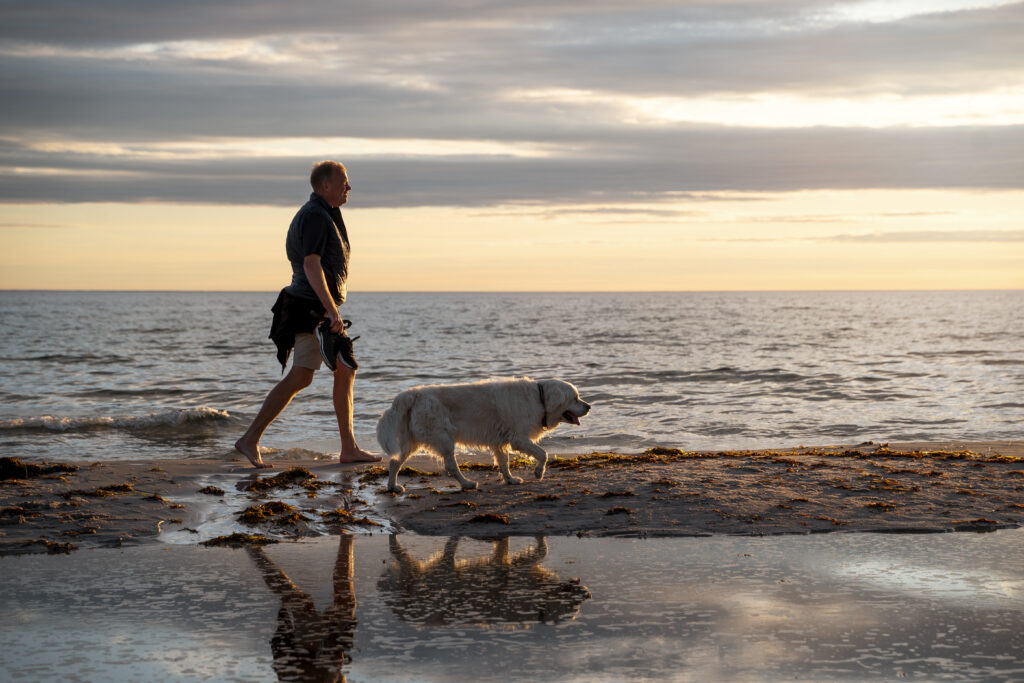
555,145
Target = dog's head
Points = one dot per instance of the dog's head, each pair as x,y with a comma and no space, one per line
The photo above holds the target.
562,403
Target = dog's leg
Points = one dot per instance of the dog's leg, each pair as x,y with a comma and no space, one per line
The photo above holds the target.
536,452
394,465
501,455
400,554
448,554
500,551
452,467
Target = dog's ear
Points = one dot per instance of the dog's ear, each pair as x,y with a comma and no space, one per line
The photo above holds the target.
556,399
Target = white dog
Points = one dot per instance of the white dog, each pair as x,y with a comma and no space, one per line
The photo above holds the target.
498,414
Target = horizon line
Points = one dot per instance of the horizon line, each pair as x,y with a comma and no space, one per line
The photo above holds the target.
511,291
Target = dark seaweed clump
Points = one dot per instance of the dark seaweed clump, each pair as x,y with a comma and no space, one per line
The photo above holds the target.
275,511
490,518
293,476
16,468
343,516
212,491
237,540
102,491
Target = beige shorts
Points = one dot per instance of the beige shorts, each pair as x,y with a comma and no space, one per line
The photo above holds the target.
307,352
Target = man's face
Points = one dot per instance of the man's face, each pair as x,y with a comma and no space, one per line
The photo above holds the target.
336,188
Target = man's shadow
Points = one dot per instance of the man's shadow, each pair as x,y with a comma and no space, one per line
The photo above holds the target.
310,645
499,589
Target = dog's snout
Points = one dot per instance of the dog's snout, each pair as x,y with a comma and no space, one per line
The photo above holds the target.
586,406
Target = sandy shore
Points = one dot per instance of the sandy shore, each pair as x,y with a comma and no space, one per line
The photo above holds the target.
898,487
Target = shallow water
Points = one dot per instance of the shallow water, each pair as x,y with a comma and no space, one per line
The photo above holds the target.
377,608
122,375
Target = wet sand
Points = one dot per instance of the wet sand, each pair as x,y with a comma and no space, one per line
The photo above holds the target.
898,487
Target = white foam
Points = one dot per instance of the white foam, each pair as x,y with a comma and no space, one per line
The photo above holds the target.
170,418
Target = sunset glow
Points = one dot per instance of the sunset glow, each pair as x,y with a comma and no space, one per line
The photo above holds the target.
650,146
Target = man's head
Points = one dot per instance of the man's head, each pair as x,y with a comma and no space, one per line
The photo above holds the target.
330,180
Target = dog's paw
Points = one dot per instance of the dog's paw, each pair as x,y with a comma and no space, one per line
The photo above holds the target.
397,488
514,480
469,485
539,472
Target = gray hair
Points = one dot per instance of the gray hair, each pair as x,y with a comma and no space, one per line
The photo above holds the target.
322,170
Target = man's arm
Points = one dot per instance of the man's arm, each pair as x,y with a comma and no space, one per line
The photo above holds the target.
315,274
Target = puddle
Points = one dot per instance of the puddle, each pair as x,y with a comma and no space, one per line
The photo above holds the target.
382,608
218,515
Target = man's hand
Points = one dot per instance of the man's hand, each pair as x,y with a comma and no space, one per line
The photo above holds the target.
315,275
336,325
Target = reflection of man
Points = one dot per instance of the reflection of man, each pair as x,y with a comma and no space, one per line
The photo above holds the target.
318,249
309,645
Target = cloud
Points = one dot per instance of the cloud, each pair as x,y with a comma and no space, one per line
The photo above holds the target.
650,48
607,214
905,237
622,168
570,78
934,236
23,225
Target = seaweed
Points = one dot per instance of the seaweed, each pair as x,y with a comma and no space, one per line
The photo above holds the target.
343,516
375,472
372,473
237,540
102,491
619,510
212,491
617,494
835,522
980,524
490,518
293,476
275,511
16,468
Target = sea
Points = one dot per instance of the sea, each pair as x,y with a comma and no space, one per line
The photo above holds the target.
107,376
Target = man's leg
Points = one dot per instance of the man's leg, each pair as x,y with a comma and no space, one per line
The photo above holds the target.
280,396
344,379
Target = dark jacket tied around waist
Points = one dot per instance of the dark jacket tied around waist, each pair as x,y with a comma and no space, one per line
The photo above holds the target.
292,315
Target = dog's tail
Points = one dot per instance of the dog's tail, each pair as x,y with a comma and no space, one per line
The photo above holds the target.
393,424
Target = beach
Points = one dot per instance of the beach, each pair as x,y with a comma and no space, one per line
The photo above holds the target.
898,487
727,565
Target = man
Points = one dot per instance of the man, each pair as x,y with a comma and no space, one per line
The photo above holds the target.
318,249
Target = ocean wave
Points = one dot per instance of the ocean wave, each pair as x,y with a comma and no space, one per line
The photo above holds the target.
170,418
294,454
724,374
69,358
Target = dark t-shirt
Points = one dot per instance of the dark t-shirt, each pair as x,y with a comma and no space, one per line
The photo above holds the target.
318,229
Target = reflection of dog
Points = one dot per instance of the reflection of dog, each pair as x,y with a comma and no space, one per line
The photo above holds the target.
497,414
500,589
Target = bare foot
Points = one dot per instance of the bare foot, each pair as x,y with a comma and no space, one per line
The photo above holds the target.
358,456
252,452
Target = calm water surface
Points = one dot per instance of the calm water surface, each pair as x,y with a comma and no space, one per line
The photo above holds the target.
839,607
106,376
